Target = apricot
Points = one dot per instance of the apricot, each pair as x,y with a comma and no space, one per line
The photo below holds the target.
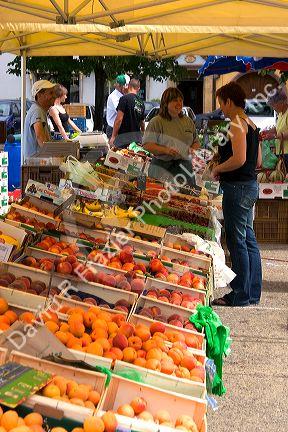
76,401
143,332
21,429
139,405
98,333
58,429
62,336
99,323
27,317
182,372
52,326
135,342
21,422
167,367
64,327
86,340
95,348
154,353
89,405
187,422
192,341
174,336
9,420
49,316
71,384
4,319
104,343
146,416
61,383
126,410
149,344
162,416
4,326
126,329
197,372
3,306
51,391
118,352
189,361
88,318
176,354
129,355
33,419
11,315
94,397
110,421
77,328
118,319
112,327
153,364
93,424
140,361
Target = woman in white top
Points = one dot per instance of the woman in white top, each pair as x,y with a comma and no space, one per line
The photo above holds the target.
60,119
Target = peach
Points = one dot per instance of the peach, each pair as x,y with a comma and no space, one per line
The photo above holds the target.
71,384
182,372
146,416
94,397
100,323
189,361
86,340
98,333
176,323
50,316
176,355
199,372
143,332
126,410
149,344
118,319
89,405
110,421
4,326
173,278
137,285
77,328
77,429
80,392
93,424
126,329
52,326
4,319
61,383
126,256
162,416
153,364
135,342
64,268
128,267
187,422
95,348
129,355
157,327
141,353
104,343
120,341
139,405
64,327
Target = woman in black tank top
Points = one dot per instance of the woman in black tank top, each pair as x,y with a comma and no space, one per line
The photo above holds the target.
59,117
240,154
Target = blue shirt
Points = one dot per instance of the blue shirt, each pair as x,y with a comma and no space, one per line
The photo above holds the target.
34,115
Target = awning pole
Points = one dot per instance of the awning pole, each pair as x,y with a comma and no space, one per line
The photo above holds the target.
23,101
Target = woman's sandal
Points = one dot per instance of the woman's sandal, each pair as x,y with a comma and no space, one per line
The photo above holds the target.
220,302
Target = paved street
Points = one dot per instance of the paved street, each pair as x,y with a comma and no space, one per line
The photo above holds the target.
256,372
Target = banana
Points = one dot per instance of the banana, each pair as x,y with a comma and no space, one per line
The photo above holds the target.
94,206
91,213
132,213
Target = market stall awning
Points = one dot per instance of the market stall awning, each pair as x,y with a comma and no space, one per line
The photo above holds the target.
156,28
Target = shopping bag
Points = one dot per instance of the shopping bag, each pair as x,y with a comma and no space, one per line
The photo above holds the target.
82,173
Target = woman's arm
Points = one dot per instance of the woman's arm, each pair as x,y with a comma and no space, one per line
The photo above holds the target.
55,115
157,149
73,125
238,158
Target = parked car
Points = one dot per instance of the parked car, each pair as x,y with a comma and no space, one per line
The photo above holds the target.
260,113
154,111
149,105
10,112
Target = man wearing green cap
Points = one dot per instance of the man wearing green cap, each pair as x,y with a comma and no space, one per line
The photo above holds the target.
112,102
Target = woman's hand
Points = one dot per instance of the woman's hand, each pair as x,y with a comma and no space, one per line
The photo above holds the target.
215,173
171,152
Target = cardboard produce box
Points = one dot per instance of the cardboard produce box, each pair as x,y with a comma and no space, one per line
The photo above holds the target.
58,149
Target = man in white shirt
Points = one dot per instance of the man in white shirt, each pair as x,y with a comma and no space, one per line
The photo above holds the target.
112,102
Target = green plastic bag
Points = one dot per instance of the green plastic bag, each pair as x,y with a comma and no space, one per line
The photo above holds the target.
269,159
218,342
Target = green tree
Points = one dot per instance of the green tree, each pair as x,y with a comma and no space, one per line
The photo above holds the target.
61,69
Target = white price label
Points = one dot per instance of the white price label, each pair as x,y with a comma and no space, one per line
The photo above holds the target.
5,252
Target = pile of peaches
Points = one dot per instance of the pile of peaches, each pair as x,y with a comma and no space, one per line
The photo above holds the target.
66,390
182,247
25,284
138,408
33,422
50,244
107,335
17,217
69,265
83,236
155,313
175,297
8,316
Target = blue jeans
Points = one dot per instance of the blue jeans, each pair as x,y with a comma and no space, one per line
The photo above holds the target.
238,202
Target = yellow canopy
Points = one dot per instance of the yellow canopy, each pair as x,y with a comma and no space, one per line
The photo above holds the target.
156,28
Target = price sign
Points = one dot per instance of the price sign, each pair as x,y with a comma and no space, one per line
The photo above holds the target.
5,252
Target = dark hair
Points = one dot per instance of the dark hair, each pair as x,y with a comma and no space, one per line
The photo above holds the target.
134,83
60,90
171,93
234,92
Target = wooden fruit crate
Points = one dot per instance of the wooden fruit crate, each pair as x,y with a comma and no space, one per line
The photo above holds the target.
195,261
95,379
122,391
138,245
75,231
3,355
159,284
139,319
